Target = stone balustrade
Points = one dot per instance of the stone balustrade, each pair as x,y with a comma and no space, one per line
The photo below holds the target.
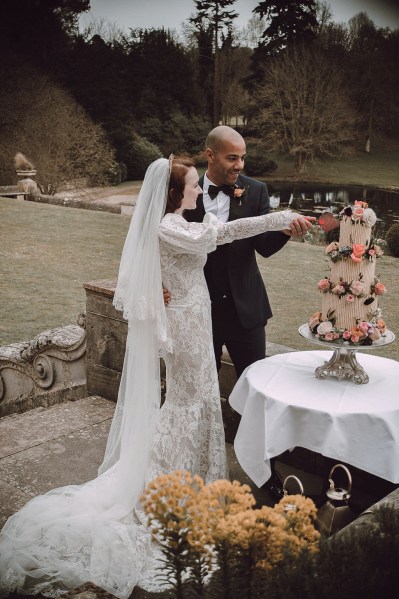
49,369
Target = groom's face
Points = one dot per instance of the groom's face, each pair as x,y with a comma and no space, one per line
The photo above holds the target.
226,162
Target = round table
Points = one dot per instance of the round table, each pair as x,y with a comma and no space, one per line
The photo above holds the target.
283,405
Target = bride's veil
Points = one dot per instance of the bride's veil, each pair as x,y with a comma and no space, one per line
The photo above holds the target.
139,294
87,532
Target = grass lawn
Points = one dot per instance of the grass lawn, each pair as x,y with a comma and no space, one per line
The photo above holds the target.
48,252
379,169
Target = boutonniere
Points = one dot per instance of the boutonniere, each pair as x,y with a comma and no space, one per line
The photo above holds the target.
240,193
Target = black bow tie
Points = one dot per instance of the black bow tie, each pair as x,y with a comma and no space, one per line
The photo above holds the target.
213,190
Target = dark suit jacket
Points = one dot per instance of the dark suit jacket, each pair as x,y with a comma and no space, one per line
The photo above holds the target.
232,268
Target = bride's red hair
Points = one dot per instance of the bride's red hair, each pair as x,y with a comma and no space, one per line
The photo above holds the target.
177,182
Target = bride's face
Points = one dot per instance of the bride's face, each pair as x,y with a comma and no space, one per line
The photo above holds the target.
191,190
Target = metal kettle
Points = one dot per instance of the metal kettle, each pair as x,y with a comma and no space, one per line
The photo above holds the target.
335,513
291,506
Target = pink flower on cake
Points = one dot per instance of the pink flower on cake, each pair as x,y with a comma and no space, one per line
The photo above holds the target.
346,335
350,298
357,212
338,290
381,326
375,334
314,320
329,336
324,327
357,288
355,339
323,285
332,247
377,251
364,326
379,289
358,250
356,331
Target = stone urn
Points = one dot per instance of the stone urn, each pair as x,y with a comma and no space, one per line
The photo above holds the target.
26,182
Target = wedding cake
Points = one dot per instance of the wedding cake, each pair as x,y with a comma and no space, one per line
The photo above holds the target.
350,293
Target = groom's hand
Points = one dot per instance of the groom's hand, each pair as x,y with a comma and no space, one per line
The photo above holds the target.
166,296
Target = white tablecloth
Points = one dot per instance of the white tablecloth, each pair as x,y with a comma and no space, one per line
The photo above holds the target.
284,405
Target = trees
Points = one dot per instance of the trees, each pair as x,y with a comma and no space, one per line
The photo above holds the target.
211,19
288,21
302,107
372,64
40,30
44,122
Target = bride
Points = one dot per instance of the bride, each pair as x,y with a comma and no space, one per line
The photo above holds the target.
96,532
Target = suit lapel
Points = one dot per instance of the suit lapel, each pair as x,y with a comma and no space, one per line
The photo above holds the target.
200,200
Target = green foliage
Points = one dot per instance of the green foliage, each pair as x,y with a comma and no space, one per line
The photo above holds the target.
139,153
179,134
392,239
257,162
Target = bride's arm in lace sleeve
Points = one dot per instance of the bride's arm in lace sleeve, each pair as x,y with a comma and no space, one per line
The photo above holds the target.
248,227
182,237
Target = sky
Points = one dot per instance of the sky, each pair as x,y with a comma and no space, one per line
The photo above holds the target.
171,13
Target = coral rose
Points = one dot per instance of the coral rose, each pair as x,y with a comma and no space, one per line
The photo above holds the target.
358,249
357,332
381,326
357,213
379,289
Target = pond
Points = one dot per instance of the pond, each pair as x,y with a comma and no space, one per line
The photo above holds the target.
313,199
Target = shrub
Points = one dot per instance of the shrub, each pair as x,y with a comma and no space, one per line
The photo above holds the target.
179,134
392,239
43,121
257,162
139,154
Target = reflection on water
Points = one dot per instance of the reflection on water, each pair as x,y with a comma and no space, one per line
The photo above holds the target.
312,200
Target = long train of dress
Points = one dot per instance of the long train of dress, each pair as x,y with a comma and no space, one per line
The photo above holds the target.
76,534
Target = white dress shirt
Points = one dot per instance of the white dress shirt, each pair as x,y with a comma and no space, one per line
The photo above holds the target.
220,206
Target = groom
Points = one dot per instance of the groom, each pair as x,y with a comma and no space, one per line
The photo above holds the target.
240,306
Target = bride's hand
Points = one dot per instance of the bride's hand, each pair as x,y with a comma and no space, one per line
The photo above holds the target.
300,226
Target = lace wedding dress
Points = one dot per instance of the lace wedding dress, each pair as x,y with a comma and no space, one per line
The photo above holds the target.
74,534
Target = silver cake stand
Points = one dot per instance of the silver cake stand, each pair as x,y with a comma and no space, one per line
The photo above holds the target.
343,363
